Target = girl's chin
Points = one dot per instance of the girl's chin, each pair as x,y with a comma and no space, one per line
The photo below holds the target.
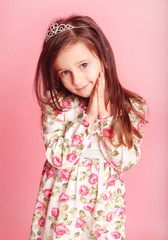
84,95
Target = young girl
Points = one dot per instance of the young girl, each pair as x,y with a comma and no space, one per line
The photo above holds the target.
92,129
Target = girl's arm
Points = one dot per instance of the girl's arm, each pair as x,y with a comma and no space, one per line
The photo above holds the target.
66,137
122,158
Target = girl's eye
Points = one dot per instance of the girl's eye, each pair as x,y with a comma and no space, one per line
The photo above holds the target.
83,65
64,73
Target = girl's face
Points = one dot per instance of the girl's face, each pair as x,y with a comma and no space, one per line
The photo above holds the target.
78,69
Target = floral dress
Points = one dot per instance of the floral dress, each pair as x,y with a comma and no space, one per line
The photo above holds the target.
82,193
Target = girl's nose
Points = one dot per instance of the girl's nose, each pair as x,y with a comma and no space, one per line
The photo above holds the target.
77,78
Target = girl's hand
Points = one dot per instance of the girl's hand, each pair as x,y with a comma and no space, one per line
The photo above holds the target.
101,91
92,109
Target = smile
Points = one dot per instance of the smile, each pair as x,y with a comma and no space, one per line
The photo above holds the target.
83,87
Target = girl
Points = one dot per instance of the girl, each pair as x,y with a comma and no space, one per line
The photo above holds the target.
92,129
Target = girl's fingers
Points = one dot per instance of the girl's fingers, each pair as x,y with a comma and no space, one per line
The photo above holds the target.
92,109
102,111
100,92
102,85
94,92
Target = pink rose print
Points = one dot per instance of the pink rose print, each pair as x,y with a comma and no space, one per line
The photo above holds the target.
121,177
66,104
82,106
91,137
58,112
60,229
88,146
105,145
121,212
38,239
47,193
97,166
123,196
71,157
44,169
63,197
41,222
57,161
140,124
76,161
137,153
88,163
79,222
76,140
40,206
116,235
65,174
109,216
113,164
89,207
107,195
111,180
55,212
90,140
46,211
103,117
99,232
113,134
60,120
106,132
85,123
83,190
103,238
50,173
53,98
93,178
106,164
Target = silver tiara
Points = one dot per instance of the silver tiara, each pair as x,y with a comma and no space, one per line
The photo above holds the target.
55,29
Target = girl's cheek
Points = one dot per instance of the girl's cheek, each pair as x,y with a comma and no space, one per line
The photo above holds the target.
93,75
95,70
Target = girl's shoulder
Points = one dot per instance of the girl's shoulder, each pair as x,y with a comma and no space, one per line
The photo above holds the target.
139,105
138,110
63,103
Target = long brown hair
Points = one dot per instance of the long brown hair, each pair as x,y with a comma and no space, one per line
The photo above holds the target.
90,34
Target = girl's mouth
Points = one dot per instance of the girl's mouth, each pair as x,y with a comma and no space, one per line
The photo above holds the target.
82,87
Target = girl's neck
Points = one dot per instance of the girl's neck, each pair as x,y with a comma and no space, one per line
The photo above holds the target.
84,101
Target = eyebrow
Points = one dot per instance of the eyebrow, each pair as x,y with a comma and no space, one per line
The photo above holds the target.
82,61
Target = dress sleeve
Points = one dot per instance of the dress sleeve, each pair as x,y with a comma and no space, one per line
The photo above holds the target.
122,158
65,138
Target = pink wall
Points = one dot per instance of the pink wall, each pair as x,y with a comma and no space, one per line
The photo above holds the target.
138,32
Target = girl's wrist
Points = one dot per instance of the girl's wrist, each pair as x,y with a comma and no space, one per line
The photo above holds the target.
90,121
105,114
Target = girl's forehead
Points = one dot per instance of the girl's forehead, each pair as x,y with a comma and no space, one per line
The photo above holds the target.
75,48
74,53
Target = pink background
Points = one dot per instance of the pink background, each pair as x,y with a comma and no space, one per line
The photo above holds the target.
138,32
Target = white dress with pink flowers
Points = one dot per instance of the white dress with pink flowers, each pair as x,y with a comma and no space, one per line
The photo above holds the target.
82,193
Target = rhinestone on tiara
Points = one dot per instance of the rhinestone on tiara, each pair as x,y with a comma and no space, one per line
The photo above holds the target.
55,29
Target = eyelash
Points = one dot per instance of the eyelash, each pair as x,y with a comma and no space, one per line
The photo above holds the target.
64,73
83,65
